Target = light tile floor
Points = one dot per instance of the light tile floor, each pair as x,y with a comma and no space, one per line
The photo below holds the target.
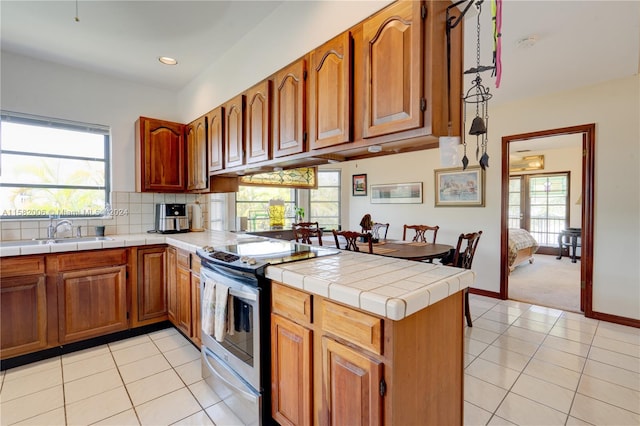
524,365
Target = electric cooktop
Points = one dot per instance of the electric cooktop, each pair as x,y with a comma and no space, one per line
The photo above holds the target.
254,254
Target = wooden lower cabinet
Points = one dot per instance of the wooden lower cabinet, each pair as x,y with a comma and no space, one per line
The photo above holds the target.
196,314
92,302
183,286
183,318
151,291
172,284
366,370
352,384
24,306
92,293
291,372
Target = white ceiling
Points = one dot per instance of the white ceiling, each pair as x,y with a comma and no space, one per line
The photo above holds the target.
579,43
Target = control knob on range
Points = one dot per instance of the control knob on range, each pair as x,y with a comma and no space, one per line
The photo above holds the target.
248,260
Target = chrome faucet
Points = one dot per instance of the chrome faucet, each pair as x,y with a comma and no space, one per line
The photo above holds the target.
53,229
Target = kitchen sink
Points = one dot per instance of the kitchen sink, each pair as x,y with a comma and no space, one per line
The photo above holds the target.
43,241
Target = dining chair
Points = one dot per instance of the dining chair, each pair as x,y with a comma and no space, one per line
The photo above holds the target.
421,230
463,258
377,229
351,238
307,232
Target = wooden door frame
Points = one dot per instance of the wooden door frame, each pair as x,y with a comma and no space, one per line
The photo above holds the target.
588,184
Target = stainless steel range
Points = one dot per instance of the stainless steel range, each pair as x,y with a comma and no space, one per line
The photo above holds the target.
235,299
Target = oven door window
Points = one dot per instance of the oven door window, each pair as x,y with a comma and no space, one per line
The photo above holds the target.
240,329
237,337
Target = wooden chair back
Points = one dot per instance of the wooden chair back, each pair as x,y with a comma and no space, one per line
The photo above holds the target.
304,231
379,231
421,230
466,250
352,238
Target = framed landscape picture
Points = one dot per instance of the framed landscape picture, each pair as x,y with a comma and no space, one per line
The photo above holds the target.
459,188
359,185
397,193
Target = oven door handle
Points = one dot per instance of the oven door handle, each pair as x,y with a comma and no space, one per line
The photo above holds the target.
243,294
235,386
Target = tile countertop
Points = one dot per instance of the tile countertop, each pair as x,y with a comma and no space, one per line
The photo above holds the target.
391,288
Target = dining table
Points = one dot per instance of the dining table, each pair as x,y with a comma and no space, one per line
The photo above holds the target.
409,250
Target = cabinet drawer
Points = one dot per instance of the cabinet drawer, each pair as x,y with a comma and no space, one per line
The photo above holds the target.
291,303
23,265
93,259
184,259
356,327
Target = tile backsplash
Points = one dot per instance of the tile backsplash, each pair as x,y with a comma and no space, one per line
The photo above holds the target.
132,213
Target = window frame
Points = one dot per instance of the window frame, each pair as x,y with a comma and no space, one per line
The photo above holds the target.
55,123
301,198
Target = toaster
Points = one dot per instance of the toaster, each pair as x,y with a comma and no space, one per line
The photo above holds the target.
171,218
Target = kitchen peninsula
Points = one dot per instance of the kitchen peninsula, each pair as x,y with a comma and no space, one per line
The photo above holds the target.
387,331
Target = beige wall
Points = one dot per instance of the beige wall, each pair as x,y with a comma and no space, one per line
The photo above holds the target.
614,108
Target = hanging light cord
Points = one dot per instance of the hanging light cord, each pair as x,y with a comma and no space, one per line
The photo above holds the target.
77,18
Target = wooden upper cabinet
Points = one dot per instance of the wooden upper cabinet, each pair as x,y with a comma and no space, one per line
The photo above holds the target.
160,156
197,165
234,131
215,138
393,69
330,93
289,131
258,122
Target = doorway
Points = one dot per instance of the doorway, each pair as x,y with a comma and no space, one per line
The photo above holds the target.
581,201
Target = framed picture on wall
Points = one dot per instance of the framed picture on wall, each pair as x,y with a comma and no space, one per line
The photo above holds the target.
459,188
397,193
359,185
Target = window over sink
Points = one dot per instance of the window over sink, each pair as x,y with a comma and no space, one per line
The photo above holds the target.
53,167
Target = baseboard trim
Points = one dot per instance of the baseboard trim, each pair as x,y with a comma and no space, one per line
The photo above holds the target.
615,319
487,293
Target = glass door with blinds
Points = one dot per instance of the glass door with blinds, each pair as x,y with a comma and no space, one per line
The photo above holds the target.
539,203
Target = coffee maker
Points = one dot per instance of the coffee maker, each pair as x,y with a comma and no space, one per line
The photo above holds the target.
171,218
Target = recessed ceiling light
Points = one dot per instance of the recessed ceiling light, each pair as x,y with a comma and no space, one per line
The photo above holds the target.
167,60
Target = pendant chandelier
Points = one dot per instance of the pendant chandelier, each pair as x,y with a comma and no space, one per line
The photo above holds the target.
476,99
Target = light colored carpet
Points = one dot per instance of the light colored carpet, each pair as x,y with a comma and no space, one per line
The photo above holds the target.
547,282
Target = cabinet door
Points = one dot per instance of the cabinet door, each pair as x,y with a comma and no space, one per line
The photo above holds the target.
152,285
234,132
258,122
183,319
330,93
393,70
92,302
291,372
161,156
172,284
351,388
197,164
196,314
215,138
24,315
289,132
